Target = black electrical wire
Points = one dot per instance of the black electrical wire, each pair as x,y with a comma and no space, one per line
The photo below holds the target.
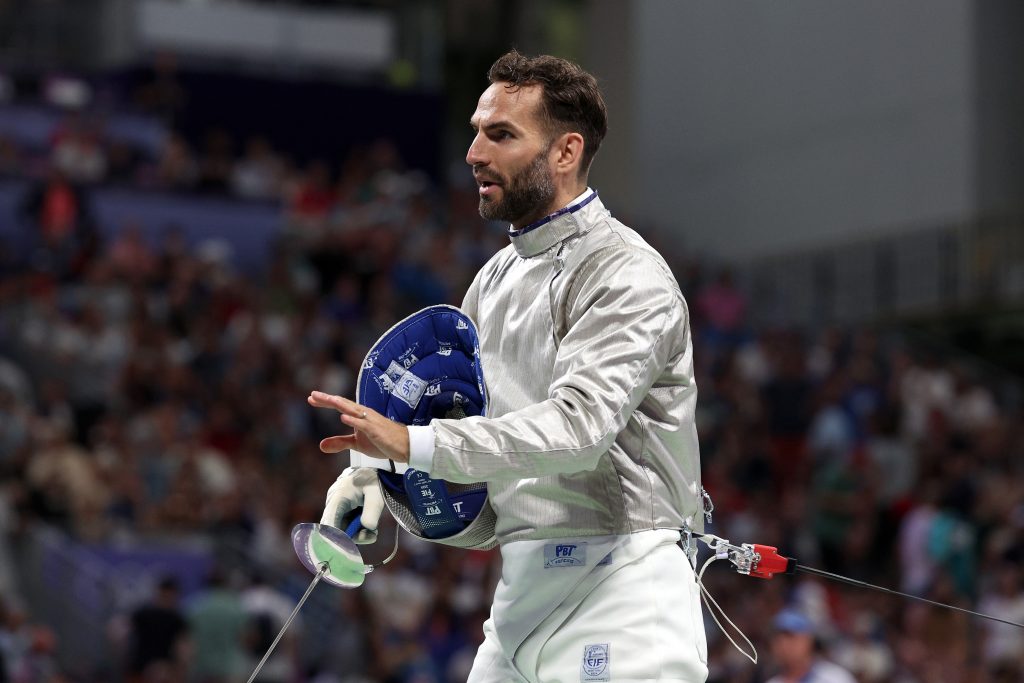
863,584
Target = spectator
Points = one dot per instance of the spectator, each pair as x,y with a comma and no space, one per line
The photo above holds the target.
130,256
927,393
158,634
63,229
39,664
12,645
63,479
79,154
266,611
724,308
10,156
124,164
312,199
974,408
163,94
895,467
216,163
865,654
1004,648
217,621
795,650
14,428
258,174
177,168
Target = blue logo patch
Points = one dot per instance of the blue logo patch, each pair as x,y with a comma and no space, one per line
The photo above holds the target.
565,555
595,663
409,388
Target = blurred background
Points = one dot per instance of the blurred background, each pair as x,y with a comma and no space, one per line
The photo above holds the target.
210,207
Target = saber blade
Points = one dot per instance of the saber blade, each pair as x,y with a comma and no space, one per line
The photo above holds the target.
862,584
288,622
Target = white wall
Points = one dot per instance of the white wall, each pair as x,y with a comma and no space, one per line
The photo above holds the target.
338,37
758,127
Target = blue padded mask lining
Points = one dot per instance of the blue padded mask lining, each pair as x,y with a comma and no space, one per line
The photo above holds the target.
428,366
425,367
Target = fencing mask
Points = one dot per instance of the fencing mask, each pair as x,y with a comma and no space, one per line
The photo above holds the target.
428,366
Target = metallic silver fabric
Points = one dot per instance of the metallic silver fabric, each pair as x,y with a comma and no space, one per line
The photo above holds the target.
586,352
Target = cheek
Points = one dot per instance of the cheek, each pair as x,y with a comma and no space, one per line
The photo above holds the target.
512,160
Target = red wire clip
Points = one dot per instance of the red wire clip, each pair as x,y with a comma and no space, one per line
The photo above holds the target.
767,561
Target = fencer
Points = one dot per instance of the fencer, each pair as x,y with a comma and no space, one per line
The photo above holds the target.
589,448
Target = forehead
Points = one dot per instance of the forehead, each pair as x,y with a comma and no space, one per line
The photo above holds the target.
519,106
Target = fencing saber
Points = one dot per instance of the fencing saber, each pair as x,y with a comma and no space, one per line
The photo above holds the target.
288,622
331,555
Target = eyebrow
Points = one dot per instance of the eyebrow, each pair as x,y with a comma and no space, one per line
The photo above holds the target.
495,124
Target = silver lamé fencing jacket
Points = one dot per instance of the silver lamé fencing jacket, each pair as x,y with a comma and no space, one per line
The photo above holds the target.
586,351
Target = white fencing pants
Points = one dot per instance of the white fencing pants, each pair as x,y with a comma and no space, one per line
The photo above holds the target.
641,623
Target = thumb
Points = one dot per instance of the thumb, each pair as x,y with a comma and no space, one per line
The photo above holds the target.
336,444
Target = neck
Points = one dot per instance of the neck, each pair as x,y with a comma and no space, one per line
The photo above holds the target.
797,672
568,194
562,198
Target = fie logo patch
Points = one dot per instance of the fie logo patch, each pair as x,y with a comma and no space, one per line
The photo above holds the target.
595,663
409,389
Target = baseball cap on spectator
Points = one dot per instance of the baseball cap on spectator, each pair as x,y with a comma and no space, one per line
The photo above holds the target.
792,621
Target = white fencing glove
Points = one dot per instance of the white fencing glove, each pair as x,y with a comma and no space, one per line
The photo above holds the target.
356,487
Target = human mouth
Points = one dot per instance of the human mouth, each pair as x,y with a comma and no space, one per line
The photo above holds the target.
487,188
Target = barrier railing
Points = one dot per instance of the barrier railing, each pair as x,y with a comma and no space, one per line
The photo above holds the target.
81,591
909,273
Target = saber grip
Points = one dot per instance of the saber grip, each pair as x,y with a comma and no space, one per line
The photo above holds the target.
354,527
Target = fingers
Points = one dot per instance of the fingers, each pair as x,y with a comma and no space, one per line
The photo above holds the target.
319,399
330,515
343,497
375,435
365,537
373,506
352,414
337,444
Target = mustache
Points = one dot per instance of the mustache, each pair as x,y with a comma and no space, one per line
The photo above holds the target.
486,176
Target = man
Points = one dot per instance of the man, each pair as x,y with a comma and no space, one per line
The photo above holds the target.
266,610
217,620
794,648
158,633
589,449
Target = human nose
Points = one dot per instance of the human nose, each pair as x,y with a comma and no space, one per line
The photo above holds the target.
475,155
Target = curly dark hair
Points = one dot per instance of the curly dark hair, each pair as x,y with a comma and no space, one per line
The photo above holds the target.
572,102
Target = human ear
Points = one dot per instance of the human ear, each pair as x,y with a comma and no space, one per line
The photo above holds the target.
570,152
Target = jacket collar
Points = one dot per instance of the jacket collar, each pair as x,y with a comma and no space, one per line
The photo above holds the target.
541,235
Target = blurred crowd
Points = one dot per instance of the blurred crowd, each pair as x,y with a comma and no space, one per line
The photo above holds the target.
82,153
869,457
152,390
87,145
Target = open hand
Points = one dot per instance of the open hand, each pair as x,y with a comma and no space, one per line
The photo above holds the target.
374,434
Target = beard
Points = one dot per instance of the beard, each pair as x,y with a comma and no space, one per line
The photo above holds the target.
529,192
